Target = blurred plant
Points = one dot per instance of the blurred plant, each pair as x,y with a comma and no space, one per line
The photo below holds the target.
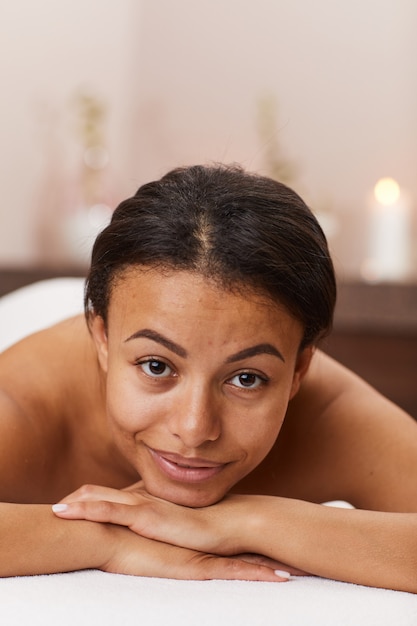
90,197
91,117
276,163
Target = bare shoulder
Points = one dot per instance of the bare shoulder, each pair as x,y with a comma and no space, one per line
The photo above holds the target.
37,394
37,368
344,440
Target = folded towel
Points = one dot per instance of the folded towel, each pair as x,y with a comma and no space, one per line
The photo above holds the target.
37,306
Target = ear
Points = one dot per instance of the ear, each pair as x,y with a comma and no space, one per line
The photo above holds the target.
301,368
99,334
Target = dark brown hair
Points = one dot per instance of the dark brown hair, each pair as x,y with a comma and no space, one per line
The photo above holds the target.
242,230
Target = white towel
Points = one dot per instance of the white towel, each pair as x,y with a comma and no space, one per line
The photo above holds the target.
93,597
37,306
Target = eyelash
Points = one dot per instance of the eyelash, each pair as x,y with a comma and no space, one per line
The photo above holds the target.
262,380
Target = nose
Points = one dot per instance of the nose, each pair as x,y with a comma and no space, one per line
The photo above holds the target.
196,417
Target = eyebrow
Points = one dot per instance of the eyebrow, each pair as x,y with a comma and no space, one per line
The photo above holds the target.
164,341
261,348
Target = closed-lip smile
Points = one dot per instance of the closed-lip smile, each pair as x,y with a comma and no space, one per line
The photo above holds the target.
185,469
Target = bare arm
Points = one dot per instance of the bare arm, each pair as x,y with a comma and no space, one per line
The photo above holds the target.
364,547
34,541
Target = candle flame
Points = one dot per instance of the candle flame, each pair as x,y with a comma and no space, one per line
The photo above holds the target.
387,191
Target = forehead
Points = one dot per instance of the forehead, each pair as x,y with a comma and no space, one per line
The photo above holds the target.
136,285
187,303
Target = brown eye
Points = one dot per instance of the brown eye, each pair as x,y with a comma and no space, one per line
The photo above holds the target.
155,368
248,380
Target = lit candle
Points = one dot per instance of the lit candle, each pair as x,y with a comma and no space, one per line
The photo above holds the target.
389,248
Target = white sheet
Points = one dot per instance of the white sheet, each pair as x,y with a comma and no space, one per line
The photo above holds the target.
92,597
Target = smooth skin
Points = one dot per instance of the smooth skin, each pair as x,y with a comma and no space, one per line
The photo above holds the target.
186,389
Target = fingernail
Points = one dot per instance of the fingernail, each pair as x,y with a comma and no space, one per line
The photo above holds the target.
282,574
59,508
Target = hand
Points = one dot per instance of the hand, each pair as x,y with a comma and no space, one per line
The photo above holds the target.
139,556
202,529
215,529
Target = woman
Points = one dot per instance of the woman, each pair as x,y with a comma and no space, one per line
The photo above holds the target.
205,301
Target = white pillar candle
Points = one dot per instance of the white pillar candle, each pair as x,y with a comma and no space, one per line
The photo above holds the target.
389,232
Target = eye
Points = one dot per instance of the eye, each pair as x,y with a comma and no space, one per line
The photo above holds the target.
248,380
155,368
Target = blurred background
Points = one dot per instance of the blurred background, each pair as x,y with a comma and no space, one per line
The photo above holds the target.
98,97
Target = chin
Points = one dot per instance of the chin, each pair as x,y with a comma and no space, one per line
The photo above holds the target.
194,498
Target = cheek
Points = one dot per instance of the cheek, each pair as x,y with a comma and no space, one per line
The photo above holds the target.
258,435
262,444
127,411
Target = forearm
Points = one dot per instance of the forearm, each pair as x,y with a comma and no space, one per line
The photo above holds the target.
364,547
34,541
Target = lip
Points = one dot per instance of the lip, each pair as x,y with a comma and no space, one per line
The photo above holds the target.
185,469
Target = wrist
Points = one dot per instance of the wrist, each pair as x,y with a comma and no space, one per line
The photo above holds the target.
246,523
114,542
257,525
270,523
88,545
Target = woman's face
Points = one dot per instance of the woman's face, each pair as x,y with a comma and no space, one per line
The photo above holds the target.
198,380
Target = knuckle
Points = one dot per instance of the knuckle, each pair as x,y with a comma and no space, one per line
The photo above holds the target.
209,566
237,569
106,508
234,566
145,521
85,491
202,566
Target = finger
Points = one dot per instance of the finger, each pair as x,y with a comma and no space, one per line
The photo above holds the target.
272,563
227,568
144,519
102,511
97,492
93,510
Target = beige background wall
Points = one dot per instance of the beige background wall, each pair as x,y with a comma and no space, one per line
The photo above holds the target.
50,49
183,81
